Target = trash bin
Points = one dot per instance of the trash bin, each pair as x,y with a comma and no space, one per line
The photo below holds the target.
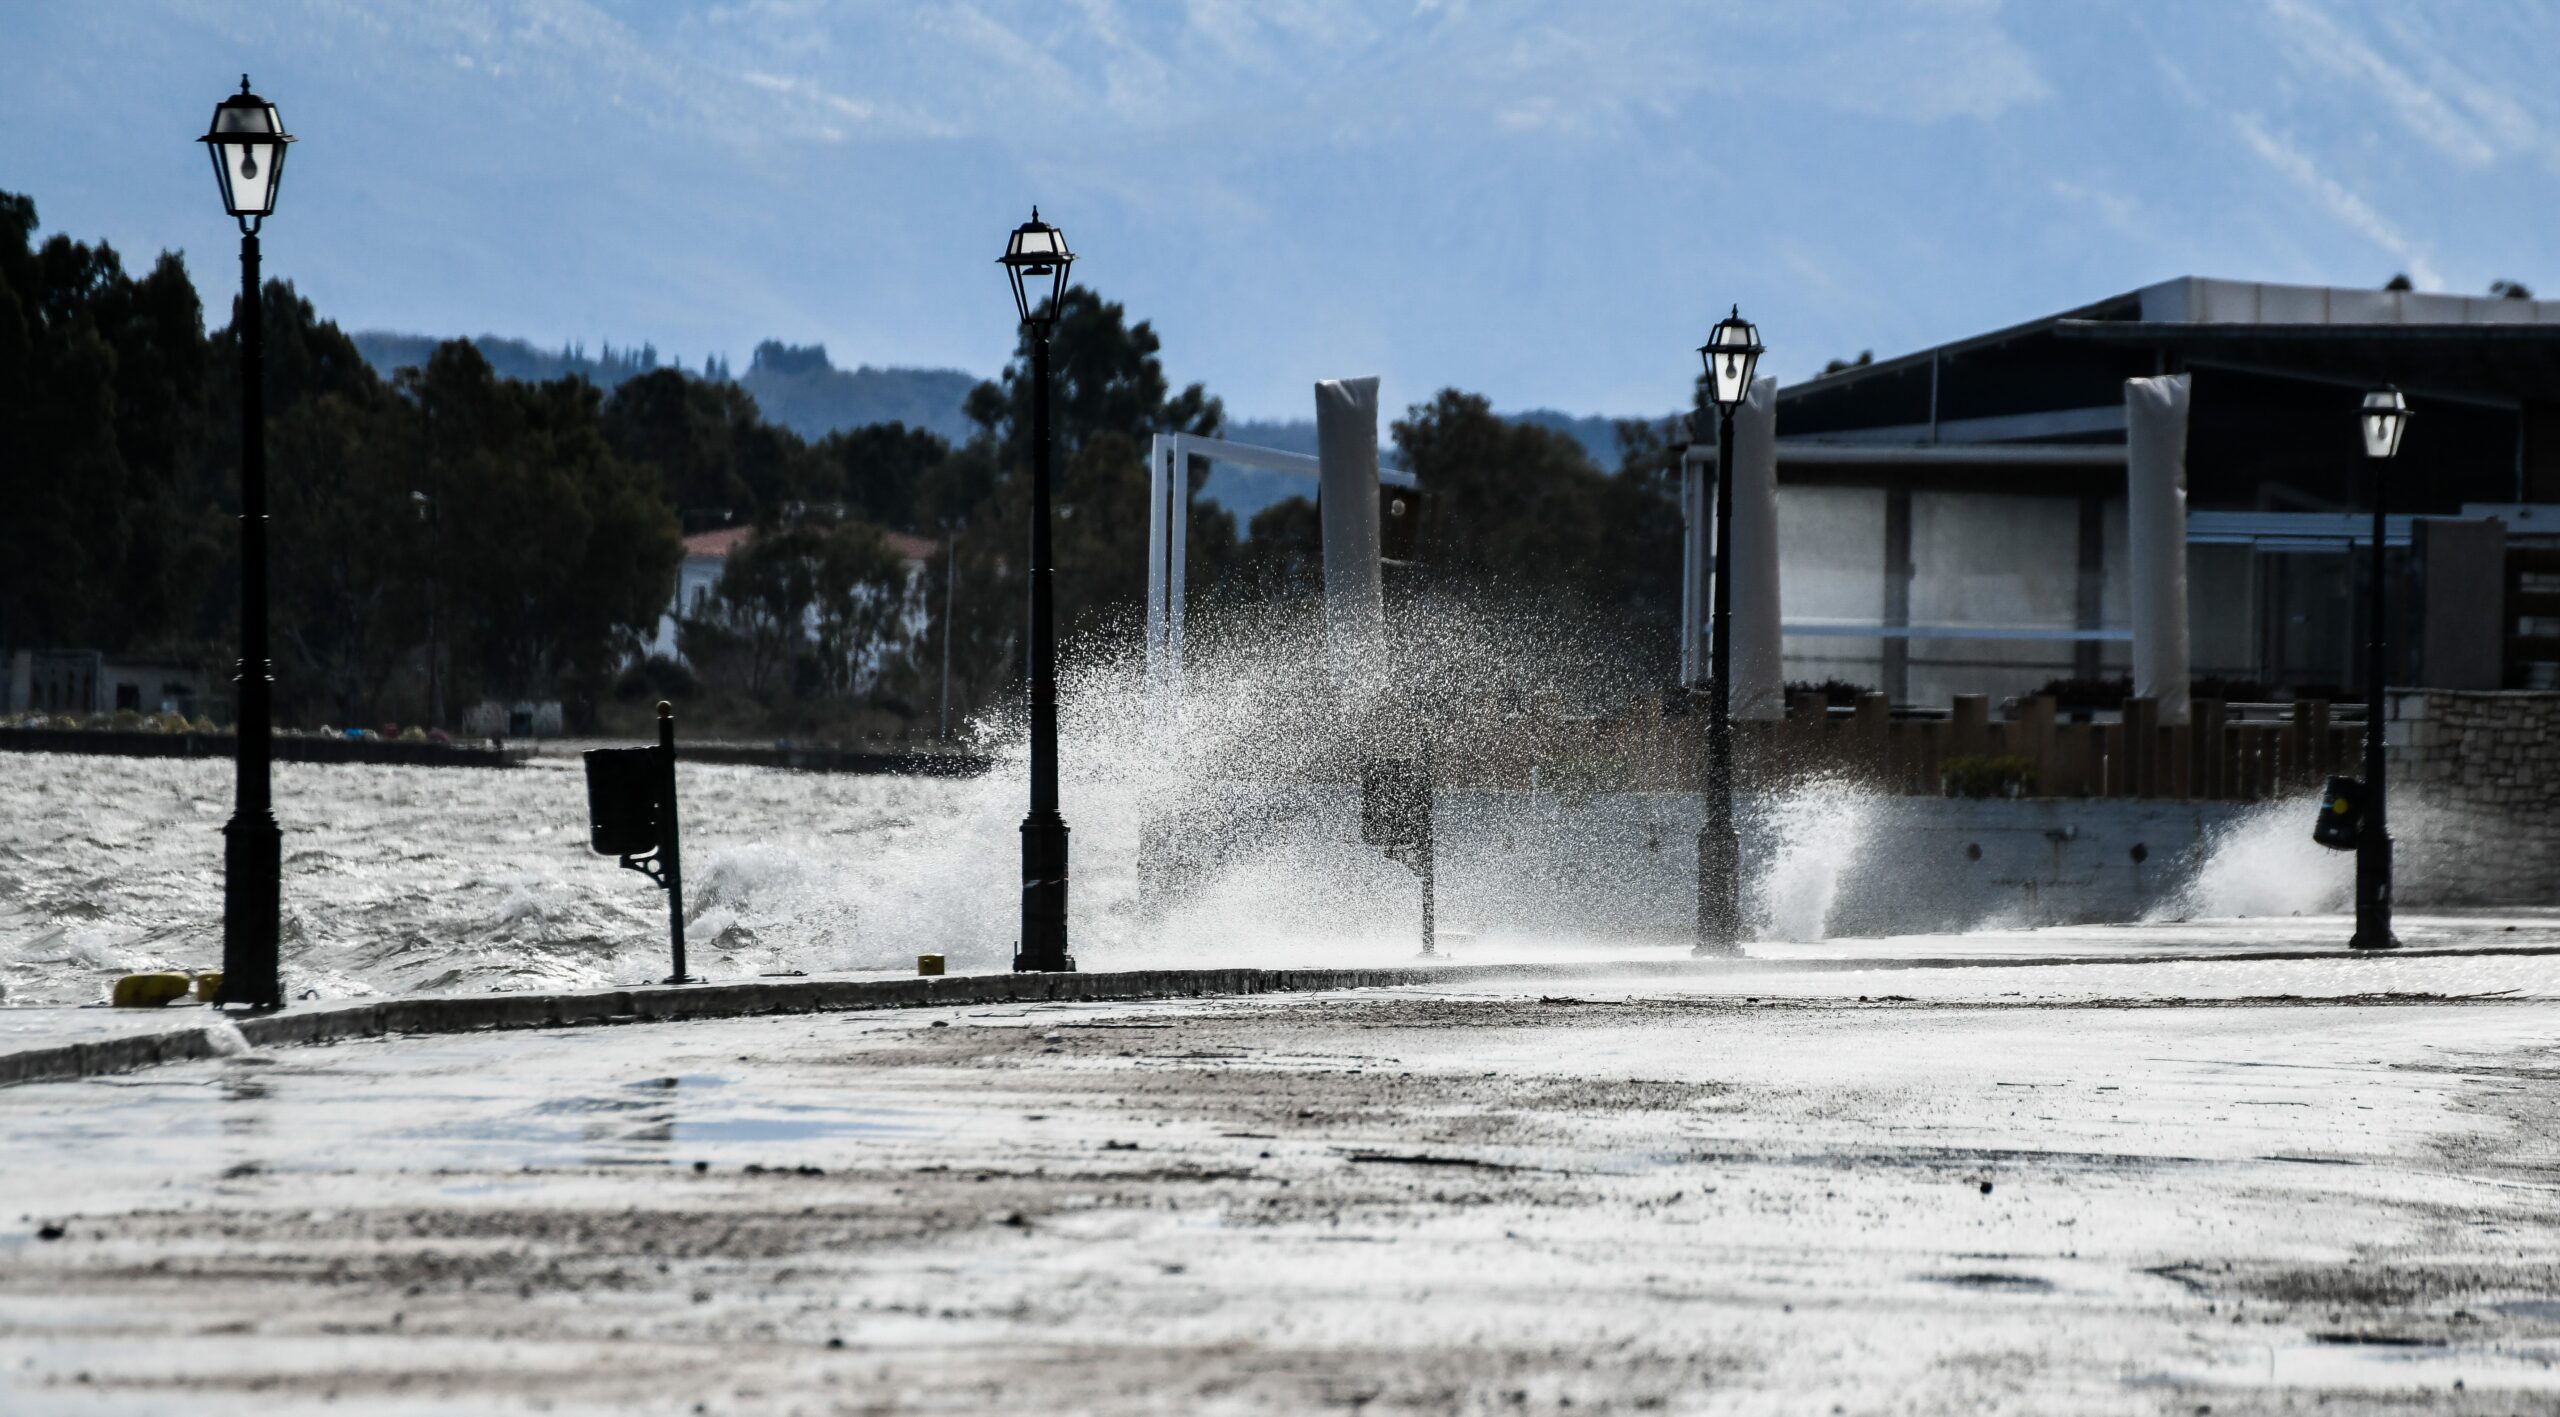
2341,815
1395,802
622,799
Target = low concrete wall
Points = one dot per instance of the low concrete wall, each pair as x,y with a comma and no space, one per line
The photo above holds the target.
1935,863
844,760
442,1014
332,1023
111,743
2475,795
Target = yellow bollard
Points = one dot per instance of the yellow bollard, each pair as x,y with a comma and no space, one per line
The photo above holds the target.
148,991
208,984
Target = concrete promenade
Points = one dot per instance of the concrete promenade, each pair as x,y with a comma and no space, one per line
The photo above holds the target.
2149,1169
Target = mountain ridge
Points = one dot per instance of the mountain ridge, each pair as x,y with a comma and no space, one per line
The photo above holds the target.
800,388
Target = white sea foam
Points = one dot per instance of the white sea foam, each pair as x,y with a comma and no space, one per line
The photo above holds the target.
1240,804
1817,833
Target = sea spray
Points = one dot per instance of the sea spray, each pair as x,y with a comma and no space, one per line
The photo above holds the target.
1815,835
2263,862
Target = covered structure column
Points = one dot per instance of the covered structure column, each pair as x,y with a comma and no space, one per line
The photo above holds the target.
2156,537
1347,509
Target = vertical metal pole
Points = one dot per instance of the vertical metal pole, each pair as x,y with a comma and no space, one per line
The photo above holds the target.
1177,571
435,598
253,846
670,842
1044,831
2373,843
1894,656
1719,849
1427,869
950,590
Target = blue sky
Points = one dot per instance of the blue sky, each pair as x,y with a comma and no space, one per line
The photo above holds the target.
1544,202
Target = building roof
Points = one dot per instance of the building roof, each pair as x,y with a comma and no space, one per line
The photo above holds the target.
2485,347
716,545
2040,407
913,548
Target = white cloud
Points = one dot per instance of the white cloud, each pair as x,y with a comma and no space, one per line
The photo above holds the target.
2319,42
2349,210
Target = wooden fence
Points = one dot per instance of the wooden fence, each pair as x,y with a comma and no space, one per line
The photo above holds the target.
2215,756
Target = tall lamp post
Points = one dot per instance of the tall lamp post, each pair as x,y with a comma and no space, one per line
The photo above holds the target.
2383,419
1036,260
1732,352
247,142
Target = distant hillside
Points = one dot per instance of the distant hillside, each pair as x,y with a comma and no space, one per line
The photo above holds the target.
797,388
387,352
794,385
1597,433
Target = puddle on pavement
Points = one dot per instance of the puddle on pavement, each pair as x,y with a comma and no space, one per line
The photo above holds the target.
2378,1362
807,1124
646,1095
2544,1309
1986,1282
658,1120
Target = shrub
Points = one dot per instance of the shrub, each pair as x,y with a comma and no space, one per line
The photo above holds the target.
2070,694
657,677
1987,777
2231,691
1839,693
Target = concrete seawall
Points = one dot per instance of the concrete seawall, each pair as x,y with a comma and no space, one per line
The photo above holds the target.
202,1036
289,748
1945,863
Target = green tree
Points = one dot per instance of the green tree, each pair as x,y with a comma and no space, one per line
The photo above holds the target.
102,420
1107,379
712,456
1111,396
556,555
815,606
1511,504
348,611
877,471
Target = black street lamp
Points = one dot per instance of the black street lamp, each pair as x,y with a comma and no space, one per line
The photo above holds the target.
2383,418
1036,260
247,142
1732,353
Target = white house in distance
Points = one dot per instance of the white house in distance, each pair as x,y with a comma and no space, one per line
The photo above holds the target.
707,553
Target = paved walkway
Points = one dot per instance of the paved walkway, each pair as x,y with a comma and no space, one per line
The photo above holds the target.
2255,1185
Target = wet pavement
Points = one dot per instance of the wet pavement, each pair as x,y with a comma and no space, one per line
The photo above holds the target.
1862,1185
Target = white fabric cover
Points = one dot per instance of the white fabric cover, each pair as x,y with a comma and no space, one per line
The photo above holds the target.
1759,673
1347,474
2155,423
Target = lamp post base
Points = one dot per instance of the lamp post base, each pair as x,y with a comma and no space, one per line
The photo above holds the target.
1719,893
2373,895
252,885
1044,897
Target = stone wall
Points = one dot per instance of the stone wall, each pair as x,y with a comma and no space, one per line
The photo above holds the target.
2475,796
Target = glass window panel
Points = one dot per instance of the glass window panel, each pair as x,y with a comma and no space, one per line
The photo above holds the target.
253,175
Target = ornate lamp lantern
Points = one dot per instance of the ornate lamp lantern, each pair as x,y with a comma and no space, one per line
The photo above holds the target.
1732,352
1036,259
247,141
2384,418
